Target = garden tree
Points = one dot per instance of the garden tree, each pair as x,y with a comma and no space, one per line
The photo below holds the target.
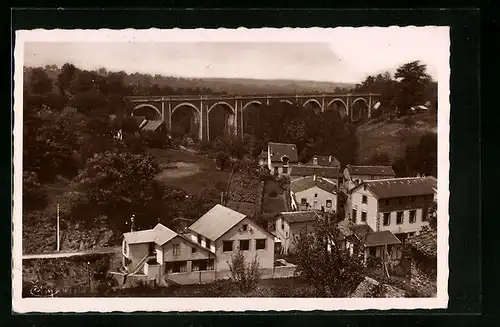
39,82
324,263
413,80
114,183
221,159
245,275
49,147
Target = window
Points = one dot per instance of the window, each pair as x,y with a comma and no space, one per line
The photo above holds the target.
373,251
282,224
387,218
177,249
364,187
260,244
399,200
363,216
207,243
199,238
227,246
285,160
303,201
244,245
413,216
285,169
364,199
315,161
399,218
244,227
193,250
276,170
328,203
386,202
412,199
354,214
315,195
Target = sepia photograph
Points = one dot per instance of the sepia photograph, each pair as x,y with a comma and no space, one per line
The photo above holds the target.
179,170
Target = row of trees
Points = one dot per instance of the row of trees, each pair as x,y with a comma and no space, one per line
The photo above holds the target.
410,86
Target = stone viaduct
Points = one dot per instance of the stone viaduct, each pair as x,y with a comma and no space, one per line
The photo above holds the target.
235,107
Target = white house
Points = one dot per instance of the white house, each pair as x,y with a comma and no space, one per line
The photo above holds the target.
354,175
399,205
289,225
313,193
280,157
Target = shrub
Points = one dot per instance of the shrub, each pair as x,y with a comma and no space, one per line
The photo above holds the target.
245,276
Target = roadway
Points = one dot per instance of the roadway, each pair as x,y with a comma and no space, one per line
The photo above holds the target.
54,255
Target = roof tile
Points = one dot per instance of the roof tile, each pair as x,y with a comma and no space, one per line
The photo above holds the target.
371,170
399,187
278,150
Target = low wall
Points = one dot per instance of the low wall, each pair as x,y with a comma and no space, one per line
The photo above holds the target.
208,276
284,271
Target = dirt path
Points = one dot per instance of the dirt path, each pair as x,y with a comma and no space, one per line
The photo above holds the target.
70,254
183,169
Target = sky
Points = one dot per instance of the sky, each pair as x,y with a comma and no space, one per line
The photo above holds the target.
339,55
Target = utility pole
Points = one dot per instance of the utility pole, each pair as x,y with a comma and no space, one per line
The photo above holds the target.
58,239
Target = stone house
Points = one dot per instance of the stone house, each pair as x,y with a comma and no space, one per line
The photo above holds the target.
280,158
399,205
313,193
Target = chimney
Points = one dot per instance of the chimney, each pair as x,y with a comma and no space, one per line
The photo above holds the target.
314,177
330,159
132,223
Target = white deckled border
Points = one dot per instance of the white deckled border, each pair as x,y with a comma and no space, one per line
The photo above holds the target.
296,35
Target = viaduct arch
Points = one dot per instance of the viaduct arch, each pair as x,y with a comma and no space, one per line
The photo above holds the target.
203,108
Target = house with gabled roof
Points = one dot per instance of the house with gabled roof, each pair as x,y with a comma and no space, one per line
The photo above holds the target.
399,205
332,174
382,244
313,193
354,175
289,225
226,232
262,158
324,161
280,157
160,251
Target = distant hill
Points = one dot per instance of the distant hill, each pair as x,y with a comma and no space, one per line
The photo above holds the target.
392,136
227,85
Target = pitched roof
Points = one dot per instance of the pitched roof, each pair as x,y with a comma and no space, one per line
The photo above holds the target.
159,235
399,187
327,172
361,230
151,125
425,242
381,238
262,155
370,170
327,161
138,119
216,222
302,184
278,150
299,216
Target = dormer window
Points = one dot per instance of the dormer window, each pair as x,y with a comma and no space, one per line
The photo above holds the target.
315,161
285,160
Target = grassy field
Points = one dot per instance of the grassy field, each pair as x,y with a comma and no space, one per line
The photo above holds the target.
392,136
196,172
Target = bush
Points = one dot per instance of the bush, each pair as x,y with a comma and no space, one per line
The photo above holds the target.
245,276
222,160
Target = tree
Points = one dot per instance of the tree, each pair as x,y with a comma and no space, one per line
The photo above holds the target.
67,74
113,183
325,263
413,80
245,275
221,159
39,82
34,196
